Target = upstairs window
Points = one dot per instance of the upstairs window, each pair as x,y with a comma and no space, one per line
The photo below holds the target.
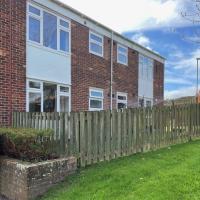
122,100
96,100
64,36
48,30
145,68
96,44
34,24
122,54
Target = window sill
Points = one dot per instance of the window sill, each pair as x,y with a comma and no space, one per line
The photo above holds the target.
96,54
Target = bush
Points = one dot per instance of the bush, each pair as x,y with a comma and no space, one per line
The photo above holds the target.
27,144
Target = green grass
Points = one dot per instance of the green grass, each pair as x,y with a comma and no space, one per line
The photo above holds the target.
168,174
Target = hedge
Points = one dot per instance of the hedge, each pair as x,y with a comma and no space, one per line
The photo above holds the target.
27,144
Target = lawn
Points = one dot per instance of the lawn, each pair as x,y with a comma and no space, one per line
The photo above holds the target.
168,174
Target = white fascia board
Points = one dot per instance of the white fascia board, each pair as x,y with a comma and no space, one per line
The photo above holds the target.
70,13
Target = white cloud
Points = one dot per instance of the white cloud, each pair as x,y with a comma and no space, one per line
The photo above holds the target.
141,39
182,92
130,14
177,81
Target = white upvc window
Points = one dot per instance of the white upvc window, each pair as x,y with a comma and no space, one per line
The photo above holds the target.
145,68
47,97
34,24
34,96
48,30
64,35
122,100
64,98
95,99
122,54
96,44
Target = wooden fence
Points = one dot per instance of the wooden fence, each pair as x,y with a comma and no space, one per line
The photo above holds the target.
106,135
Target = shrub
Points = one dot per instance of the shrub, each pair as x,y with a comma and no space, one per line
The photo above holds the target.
27,144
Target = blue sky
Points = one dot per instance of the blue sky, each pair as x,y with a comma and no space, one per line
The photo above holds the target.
180,53
157,25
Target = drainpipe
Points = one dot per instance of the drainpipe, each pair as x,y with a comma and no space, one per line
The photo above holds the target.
111,73
10,62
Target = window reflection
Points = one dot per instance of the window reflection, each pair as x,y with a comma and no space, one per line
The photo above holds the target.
50,100
34,102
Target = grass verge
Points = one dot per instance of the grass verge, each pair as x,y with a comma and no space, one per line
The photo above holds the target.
167,174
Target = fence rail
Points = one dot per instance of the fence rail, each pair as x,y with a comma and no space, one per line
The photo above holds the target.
106,135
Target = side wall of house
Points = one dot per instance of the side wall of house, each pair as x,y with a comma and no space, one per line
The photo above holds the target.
12,58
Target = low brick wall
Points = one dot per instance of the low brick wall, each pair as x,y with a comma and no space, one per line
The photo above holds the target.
24,181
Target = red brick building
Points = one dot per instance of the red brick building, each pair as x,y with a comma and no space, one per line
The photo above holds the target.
53,58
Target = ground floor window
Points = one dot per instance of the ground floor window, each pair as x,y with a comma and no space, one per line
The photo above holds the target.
47,97
145,102
122,100
95,99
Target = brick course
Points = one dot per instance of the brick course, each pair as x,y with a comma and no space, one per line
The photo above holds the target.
12,58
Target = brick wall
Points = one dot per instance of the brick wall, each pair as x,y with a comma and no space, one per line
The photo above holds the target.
24,181
89,70
12,58
158,90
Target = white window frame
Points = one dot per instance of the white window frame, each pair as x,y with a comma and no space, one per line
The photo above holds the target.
63,94
59,27
122,101
122,53
34,90
96,98
95,42
145,68
39,18
41,91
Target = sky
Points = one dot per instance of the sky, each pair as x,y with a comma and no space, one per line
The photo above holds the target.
157,25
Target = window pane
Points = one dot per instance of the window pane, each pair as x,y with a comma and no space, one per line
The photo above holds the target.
148,103
96,38
121,105
34,102
96,48
34,10
34,85
96,94
95,104
50,31
122,97
64,104
34,29
64,23
64,41
141,102
50,94
122,50
122,58
64,89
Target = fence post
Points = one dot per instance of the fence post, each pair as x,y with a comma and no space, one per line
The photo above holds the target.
190,123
